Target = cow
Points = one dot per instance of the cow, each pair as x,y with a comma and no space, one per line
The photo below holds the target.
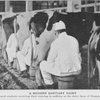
14,24
94,48
7,30
46,37
78,25
93,69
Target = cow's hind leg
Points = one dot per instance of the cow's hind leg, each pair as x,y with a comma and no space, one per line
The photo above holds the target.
92,64
4,55
98,66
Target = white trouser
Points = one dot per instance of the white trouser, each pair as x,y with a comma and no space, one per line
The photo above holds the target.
22,61
48,69
11,54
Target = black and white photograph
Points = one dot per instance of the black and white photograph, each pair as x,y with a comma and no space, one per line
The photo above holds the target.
50,45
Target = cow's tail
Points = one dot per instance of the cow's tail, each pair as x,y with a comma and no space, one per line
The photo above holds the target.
15,31
88,64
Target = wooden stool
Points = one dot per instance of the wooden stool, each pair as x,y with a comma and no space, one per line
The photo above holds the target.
66,82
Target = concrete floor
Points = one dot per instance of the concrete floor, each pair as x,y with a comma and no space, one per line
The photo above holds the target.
10,78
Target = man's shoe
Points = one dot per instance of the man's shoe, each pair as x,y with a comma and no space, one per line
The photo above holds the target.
11,63
10,67
53,86
22,72
41,87
50,86
25,75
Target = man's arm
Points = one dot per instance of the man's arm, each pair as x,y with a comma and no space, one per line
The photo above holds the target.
25,48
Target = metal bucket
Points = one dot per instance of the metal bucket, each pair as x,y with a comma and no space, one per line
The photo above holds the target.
66,82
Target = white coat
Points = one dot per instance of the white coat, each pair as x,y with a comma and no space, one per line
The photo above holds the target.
63,59
24,56
11,47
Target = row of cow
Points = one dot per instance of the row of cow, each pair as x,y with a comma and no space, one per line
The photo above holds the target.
83,26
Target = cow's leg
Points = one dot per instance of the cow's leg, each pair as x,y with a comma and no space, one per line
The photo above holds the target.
92,58
98,66
4,55
92,64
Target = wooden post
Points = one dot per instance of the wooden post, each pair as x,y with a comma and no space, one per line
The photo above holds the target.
29,5
7,5
95,7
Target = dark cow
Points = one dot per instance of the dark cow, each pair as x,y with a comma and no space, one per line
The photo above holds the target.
78,24
40,19
97,57
94,48
45,37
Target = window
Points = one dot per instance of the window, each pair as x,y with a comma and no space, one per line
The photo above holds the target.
18,6
37,5
2,6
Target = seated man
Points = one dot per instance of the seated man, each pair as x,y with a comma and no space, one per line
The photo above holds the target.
24,56
64,57
11,48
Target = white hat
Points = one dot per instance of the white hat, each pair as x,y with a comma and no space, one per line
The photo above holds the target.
60,25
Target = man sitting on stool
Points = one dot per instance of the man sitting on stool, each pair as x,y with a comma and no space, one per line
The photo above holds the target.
11,48
64,57
24,56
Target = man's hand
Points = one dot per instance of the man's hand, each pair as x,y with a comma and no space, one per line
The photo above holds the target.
17,49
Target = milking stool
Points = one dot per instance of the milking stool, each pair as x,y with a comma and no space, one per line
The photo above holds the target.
66,82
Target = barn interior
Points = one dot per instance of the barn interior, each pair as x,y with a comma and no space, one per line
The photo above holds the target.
9,78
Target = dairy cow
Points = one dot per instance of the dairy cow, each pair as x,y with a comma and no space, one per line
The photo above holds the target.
7,30
77,24
93,49
80,26
15,24
85,27
45,37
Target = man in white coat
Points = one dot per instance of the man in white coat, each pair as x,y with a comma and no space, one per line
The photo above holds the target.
64,58
16,40
24,55
11,48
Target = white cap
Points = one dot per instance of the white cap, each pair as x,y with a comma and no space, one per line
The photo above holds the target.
60,25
